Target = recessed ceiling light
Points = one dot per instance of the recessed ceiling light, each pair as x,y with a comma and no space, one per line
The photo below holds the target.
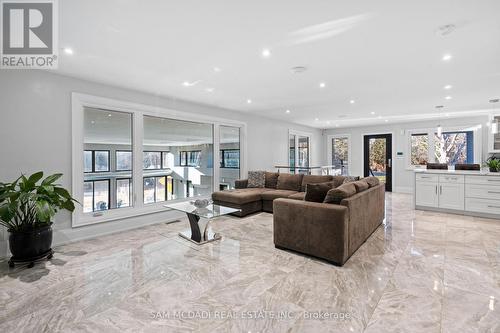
447,115
298,69
287,111
447,97
386,120
316,119
447,57
322,85
352,101
328,122
266,53
68,50
216,69
109,114
190,84
372,113
379,117
92,122
249,101
210,90
448,87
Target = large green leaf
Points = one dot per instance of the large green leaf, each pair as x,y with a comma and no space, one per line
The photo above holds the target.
34,178
51,179
44,211
62,192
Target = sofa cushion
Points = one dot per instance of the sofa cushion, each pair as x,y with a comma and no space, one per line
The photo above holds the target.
372,181
271,179
239,196
338,180
274,194
336,195
317,192
298,196
289,182
256,179
361,186
350,179
313,179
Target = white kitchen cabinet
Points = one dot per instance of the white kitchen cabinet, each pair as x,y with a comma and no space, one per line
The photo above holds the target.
427,194
451,196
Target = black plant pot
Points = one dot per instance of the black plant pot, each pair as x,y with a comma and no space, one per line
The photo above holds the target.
493,170
30,245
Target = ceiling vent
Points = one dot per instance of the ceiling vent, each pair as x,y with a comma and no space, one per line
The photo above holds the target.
439,106
496,100
298,69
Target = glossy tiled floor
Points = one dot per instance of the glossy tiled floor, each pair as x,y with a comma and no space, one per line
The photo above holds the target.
420,272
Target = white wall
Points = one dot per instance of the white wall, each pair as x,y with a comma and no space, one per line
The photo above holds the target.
35,134
402,175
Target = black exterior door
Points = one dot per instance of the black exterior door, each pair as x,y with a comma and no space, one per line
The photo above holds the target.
377,158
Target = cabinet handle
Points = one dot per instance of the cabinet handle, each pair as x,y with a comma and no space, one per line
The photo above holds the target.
491,206
493,180
440,189
497,192
425,177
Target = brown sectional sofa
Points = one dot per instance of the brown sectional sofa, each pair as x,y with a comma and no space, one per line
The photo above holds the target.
328,231
325,230
252,200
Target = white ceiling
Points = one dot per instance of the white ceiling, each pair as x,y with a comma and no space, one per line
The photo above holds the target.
385,55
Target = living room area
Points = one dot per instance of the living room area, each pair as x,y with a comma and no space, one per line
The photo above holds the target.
237,166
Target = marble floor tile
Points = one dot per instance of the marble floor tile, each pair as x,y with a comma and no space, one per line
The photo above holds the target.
418,272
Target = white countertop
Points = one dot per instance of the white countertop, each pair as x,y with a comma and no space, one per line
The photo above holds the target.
458,172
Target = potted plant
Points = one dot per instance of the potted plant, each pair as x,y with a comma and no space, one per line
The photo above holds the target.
493,164
27,206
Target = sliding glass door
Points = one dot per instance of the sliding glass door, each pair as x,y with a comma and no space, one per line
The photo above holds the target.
299,152
229,156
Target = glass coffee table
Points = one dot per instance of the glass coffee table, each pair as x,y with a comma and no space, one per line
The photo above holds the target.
199,220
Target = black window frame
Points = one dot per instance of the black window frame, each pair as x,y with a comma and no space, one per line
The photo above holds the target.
129,191
93,160
223,159
187,153
108,180
153,151
116,159
167,179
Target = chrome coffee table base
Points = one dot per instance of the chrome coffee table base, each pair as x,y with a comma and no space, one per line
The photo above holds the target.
201,232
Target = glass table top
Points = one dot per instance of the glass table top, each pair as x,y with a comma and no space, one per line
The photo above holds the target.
208,212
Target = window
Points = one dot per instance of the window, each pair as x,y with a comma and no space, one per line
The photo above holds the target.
158,189
419,149
96,161
123,192
123,160
104,156
230,158
190,158
451,147
96,195
340,154
151,160
303,151
184,144
454,147
107,184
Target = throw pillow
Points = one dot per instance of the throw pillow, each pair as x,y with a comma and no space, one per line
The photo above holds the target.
313,179
271,179
336,195
350,179
256,179
361,186
372,181
338,180
317,192
290,182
